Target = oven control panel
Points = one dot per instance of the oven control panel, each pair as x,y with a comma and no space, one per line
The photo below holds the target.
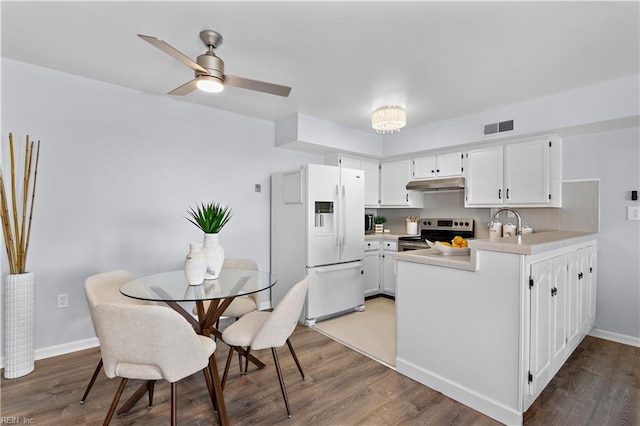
444,224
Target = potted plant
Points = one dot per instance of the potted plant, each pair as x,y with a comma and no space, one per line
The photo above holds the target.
211,218
20,284
379,223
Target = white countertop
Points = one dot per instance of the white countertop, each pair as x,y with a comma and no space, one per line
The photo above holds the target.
385,236
535,243
433,257
528,244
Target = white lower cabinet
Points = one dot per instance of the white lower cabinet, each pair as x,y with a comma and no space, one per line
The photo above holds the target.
379,267
562,311
388,272
371,267
520,316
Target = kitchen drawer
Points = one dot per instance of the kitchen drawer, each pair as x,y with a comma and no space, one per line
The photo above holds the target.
371,245
390,245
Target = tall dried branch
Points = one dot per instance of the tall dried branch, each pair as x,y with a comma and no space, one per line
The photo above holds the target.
33,199
14,201
17,235
6,226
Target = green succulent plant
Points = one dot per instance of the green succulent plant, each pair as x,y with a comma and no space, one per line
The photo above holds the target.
379,220
210,217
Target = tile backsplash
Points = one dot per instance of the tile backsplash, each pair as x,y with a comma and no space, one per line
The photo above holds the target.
580,211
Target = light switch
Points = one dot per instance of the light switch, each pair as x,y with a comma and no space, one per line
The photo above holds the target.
633,213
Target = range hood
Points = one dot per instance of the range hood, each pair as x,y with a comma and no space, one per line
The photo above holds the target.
437,184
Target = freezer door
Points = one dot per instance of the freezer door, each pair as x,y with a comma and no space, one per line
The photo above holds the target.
323,215
334,289
352,209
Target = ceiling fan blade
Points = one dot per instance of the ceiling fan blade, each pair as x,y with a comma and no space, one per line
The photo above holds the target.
185,89
171,51
259,86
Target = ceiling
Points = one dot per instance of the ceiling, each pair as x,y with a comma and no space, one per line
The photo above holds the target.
342,59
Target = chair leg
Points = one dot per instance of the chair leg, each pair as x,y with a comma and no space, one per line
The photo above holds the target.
93,379
208,373
226,366
150,385
114,403
295,358
246,363
282,387
174,398
207,379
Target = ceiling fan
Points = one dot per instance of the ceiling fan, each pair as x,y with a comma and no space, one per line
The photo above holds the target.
209,69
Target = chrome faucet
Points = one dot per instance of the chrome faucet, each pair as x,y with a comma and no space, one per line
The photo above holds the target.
514,211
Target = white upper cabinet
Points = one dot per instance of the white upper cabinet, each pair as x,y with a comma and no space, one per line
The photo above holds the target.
371,182
437,165
371,170
394,176
484,177
518,174
526,172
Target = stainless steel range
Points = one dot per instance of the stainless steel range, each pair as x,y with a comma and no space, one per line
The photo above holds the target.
437,229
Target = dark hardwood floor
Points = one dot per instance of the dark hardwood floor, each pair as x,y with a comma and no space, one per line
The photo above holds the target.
599,385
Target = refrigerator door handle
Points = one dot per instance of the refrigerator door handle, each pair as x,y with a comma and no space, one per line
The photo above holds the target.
336,225
324,270
343,211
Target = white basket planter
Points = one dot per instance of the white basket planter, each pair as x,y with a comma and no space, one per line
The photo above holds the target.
19,331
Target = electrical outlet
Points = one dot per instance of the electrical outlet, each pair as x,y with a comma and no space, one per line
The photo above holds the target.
63,301
633,213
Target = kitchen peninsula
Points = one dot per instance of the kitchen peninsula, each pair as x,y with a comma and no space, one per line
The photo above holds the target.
492,328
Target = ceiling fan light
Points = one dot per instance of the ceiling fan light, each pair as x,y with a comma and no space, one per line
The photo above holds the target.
209,84
388,119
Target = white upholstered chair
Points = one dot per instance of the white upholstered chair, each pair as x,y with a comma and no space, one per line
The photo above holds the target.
105,288
262,330
150,343
241,305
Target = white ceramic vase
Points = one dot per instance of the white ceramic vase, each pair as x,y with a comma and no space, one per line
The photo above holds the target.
195,265
215,256
19,328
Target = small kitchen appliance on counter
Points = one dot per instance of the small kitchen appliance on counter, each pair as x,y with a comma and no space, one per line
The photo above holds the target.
437,229
368,223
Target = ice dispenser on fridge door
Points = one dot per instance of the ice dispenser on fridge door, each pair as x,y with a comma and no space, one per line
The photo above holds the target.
323,216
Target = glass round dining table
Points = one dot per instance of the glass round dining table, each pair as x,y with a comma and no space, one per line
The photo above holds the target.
172,288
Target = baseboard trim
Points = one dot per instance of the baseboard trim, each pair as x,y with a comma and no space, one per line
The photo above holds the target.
462,394
65,348
615,337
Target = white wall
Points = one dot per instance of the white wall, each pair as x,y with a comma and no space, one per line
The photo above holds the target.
118,170
614,157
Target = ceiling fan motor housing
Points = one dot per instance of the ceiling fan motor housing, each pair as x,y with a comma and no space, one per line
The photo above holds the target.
213,64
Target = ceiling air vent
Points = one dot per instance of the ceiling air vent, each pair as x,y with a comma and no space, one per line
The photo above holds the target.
503,126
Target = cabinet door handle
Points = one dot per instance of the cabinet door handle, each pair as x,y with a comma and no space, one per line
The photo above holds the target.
507,193
407,198
438,170
580,275
499,194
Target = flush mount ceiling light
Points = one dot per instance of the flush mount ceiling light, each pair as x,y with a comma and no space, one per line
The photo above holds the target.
388,119
209,84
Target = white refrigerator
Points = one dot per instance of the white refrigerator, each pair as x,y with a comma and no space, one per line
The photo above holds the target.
317,229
